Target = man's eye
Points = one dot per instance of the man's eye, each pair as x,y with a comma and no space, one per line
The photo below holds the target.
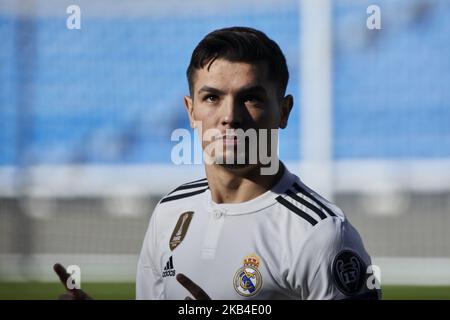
252,100
210,98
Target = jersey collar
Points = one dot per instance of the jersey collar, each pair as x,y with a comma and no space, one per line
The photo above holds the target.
263,201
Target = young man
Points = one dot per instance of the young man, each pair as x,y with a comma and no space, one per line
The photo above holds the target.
250,229
240,233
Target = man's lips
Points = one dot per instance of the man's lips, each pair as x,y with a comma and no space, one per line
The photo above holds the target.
227,139
230,140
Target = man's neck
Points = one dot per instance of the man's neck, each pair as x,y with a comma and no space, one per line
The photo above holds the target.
239,185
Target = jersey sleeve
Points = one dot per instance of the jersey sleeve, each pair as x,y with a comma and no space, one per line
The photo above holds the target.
149,283
333,264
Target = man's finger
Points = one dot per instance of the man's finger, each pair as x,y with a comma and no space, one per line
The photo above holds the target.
194,289
71,294
62,274
67,296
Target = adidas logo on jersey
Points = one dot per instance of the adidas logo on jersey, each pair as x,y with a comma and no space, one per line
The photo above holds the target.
169,271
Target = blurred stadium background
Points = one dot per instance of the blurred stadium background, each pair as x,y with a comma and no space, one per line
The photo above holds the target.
86,118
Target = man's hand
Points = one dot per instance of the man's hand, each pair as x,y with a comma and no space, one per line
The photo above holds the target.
194,289
71,294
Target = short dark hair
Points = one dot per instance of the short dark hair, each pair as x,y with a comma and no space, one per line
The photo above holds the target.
240,44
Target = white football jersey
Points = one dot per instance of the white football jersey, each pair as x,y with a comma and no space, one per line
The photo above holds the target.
288,243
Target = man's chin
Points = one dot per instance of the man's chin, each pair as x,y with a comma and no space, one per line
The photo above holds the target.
235,166
233,161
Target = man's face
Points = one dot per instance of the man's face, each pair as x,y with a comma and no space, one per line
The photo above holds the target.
234,95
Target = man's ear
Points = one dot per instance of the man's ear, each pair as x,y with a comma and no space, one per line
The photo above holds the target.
285,108
190,110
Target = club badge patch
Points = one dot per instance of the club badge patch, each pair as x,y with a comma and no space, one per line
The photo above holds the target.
247,280
349,272
180,230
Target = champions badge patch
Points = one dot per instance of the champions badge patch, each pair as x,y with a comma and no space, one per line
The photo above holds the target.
247,280
180,229
349,272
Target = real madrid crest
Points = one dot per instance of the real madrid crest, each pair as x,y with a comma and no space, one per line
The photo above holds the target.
180,229
247,280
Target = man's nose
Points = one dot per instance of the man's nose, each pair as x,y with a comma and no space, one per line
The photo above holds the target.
232,114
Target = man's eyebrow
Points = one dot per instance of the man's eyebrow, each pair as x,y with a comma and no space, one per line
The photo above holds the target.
210,90
250,89
253,89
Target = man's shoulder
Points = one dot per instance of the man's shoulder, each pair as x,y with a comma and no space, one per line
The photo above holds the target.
324,225
306,206
186,192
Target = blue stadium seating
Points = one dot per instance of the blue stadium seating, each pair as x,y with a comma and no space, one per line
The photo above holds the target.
112,91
